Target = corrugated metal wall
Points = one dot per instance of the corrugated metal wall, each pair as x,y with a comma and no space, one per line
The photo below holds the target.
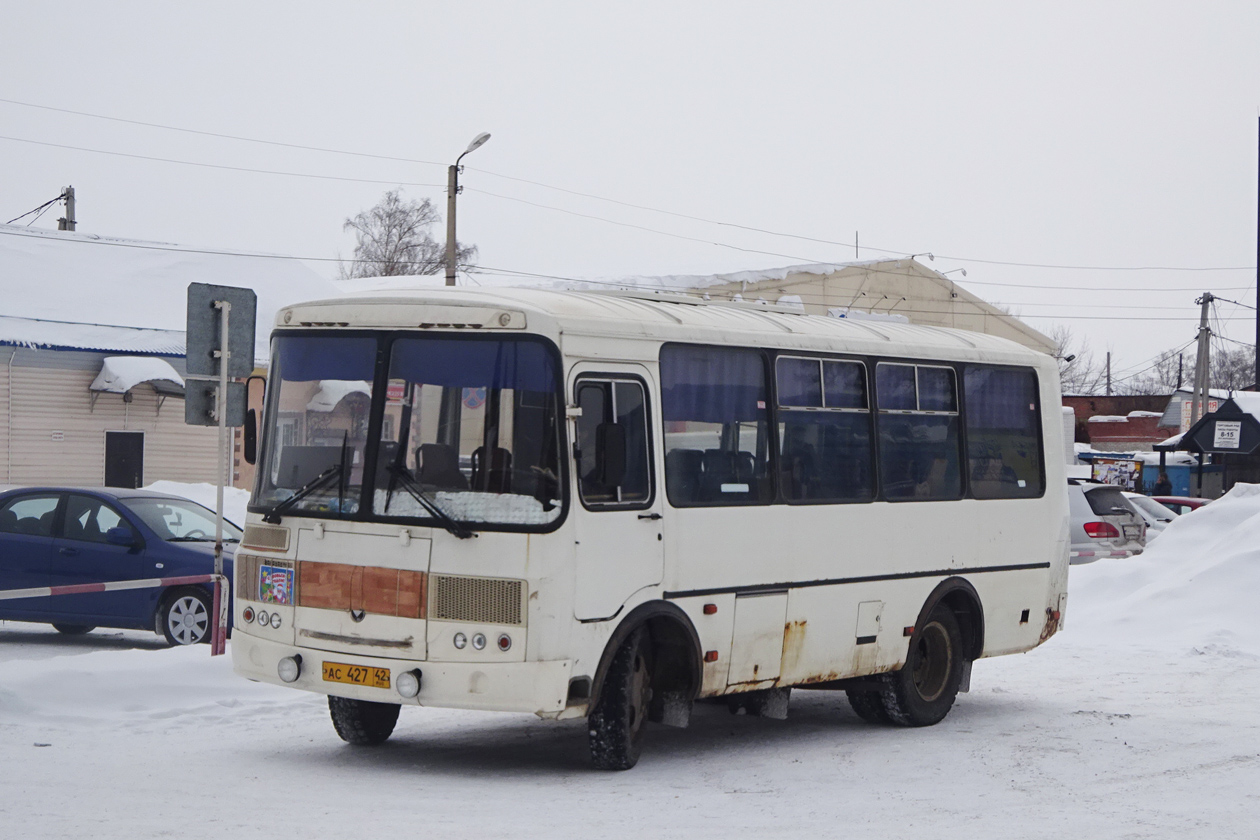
53,434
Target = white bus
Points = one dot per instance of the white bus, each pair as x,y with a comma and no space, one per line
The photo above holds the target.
612,505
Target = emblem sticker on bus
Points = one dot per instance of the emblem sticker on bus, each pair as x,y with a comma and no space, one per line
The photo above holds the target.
275,585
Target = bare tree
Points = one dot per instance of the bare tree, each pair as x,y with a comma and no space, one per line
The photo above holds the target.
1169,370
1233,368
1078,372
393,238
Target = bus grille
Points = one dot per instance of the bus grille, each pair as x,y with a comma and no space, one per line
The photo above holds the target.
485,600
267,539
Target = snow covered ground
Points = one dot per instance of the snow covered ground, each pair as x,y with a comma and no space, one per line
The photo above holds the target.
1139,720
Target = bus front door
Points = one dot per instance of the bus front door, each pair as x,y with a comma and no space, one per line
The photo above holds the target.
620,547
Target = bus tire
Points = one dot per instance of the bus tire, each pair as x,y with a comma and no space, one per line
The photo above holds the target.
923,691
619,719
869,706
362,722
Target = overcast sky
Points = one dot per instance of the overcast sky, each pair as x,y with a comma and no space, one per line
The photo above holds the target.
1121,135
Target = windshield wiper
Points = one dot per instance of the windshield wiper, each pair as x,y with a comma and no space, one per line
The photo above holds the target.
405,480
273,516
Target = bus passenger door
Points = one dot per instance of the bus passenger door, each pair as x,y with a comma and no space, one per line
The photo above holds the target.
620,546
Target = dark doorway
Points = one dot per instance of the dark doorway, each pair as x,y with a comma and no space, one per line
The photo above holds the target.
124,459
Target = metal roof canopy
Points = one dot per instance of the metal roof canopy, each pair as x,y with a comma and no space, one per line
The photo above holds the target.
1228,430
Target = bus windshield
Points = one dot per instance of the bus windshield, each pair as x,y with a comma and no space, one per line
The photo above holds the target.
465,430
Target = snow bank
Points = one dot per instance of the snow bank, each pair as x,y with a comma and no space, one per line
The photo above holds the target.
234,499
1194,587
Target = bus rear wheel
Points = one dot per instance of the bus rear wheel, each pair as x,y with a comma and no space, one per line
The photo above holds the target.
869,706
619,719
923,691
362,722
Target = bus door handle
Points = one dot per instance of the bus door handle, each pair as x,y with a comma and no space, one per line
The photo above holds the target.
653,515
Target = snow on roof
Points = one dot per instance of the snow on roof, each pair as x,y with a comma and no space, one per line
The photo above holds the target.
55,277
1108,418
40,333
1146,414
119,374
333,391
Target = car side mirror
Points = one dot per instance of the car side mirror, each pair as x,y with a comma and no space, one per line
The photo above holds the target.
120,536
610,454
251,436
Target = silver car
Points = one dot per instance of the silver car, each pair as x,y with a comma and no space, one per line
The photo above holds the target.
1156,515
1103,524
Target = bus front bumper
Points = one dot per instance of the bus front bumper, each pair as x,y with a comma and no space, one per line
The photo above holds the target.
536,687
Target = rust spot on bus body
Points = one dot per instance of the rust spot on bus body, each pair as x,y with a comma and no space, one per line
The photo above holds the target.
1051,627
793,645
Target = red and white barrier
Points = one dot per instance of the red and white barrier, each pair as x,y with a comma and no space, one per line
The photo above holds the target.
218,611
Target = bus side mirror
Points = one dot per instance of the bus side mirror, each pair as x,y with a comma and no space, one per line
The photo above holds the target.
251,436
610,454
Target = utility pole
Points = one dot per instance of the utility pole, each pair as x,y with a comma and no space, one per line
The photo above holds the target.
1181,357
1109,373
67,223
452,190
1201,365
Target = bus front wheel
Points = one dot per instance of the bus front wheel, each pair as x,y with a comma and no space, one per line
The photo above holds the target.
923,691
619,718
362,722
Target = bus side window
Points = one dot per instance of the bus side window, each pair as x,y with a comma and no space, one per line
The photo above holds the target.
1003,433
713,402
825,450
918,432
614,413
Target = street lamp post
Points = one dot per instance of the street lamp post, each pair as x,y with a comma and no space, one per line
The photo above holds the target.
452,190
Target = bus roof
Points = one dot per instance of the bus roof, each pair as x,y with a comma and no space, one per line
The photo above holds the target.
644,315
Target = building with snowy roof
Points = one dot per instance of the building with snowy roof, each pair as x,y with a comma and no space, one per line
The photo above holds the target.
884,289
92,354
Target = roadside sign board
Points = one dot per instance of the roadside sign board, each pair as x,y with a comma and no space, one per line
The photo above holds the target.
199,403
203,339
1121,472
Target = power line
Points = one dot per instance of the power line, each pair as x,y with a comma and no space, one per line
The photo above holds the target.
220,136
648,208
217,165
40,210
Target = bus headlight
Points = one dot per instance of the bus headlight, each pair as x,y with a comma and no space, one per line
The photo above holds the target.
459,640
479,641
408,683
290,668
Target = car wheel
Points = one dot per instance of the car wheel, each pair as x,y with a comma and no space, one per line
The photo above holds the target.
185,617
923,691
74,629
618,721
362,722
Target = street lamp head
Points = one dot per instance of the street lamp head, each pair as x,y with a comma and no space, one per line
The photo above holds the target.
478,141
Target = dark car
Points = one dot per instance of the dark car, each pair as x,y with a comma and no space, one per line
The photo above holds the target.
57,536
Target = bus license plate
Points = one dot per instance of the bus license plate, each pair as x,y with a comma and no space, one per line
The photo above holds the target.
356,675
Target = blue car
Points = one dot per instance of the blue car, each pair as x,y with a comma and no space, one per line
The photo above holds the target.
57,536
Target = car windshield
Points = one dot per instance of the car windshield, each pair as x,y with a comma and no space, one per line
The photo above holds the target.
176,520
462,432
